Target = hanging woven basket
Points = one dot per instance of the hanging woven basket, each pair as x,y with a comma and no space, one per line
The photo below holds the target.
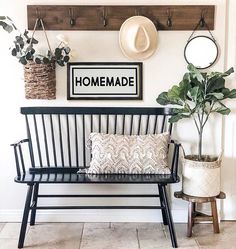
40,78
40,81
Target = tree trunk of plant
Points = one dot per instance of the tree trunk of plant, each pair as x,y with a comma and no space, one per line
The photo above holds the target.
200,144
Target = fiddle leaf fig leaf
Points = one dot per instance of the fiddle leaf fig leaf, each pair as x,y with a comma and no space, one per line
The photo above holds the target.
195,73
232,94
175,118
163,99
215,84
194,93
217,95
223,110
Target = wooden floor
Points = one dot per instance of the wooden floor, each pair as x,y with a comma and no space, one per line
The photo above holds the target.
116,236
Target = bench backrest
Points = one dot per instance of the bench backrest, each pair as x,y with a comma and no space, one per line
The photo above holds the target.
58,135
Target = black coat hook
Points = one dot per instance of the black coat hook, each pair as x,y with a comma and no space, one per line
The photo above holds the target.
202,19
38,14
72,18
169,18
104,17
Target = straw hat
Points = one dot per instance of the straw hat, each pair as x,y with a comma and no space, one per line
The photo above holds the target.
138,38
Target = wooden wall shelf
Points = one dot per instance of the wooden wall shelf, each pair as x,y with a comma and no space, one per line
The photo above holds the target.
90,17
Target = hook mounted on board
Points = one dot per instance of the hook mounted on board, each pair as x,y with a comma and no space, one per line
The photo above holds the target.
38,15
202,22
169,18
104,17
137,12
72,17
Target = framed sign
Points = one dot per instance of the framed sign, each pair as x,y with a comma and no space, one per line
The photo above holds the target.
102,80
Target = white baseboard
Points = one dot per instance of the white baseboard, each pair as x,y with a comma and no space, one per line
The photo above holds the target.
10,215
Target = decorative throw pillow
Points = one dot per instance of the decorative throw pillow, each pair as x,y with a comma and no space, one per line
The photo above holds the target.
129,154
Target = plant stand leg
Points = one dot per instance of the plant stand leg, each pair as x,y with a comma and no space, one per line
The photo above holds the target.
169,217
163,211
215,217
25,217
34,204
190,218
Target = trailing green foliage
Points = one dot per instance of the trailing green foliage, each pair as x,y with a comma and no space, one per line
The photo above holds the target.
23,47
197,96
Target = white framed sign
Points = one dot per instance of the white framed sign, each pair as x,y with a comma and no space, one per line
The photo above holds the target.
104,80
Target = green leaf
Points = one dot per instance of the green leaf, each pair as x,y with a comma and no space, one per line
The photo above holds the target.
215,83
45,60
2,17
184,87
232,94
14,52
217,95
223,110
60,63
66,58
6,27
195,73
194,93
162,99
28,56
23,60
175,118
174,93
37,60
228,72
67,50
181,110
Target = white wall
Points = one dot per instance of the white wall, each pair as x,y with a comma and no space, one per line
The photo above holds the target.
161,71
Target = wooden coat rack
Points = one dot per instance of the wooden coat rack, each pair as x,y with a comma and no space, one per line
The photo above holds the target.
91,17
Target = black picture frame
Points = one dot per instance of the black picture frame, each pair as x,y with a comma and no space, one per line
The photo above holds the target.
76,89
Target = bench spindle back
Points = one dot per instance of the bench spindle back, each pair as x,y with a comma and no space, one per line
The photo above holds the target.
58,135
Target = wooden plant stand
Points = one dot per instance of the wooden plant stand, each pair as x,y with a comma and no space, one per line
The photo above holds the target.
195,216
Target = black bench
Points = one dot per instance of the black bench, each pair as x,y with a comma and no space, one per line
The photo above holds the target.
56,147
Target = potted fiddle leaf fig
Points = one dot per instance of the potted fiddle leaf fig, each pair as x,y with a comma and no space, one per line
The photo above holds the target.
198,96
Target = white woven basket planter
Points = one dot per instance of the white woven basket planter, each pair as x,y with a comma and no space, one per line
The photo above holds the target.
201,179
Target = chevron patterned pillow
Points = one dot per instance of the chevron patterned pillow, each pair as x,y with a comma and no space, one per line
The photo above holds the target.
129,154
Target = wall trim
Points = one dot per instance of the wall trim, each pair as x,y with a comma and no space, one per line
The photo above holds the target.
15,215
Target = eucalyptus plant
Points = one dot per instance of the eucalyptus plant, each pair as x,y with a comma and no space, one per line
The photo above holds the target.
23,48
198,95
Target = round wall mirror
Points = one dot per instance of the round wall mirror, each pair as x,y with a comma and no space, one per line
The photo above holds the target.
201,51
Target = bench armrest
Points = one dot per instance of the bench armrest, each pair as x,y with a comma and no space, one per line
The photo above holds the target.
19,158
175,159
20,142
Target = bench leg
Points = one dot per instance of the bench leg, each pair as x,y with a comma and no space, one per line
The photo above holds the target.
34,203
163,211
169,217
25,217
